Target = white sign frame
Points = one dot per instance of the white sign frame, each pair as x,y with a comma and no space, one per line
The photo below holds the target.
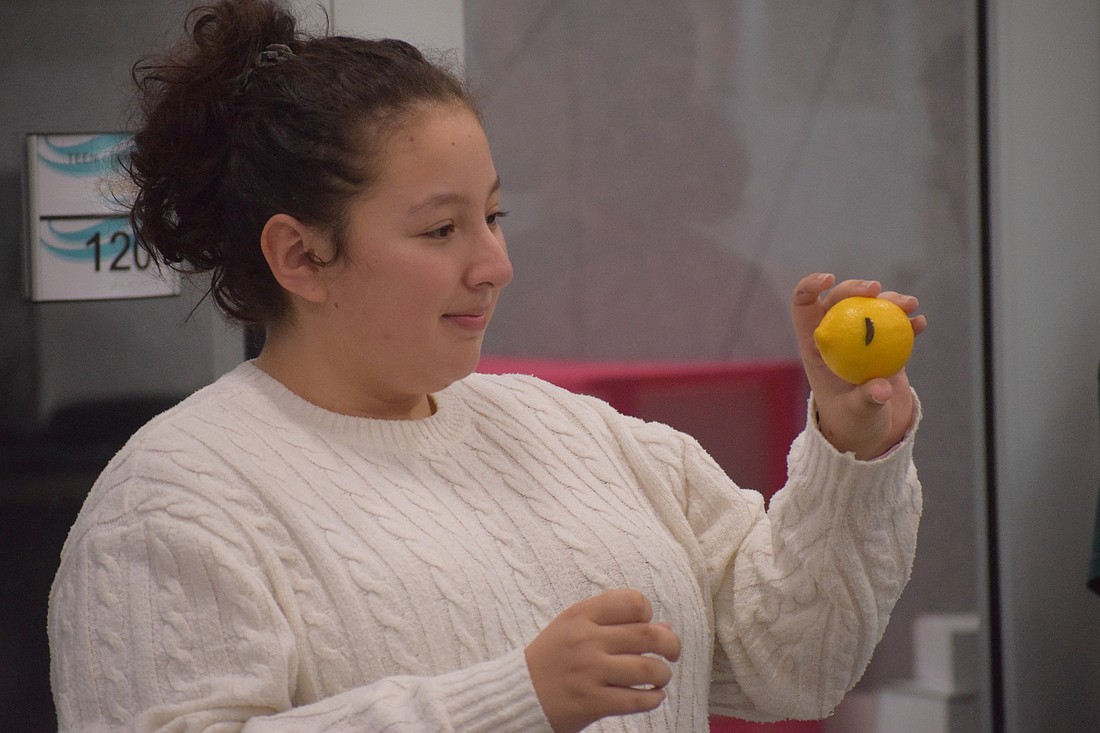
79,243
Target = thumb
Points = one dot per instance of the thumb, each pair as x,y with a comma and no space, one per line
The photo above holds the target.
879,391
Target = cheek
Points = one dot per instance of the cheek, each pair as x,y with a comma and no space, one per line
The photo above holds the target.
394,302
403,315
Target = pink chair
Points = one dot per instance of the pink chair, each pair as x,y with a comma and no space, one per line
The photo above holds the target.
733,725
745,414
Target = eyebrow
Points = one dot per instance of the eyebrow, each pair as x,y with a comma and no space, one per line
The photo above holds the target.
446,199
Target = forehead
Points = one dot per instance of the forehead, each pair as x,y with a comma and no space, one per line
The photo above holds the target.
439,151
436,132
438,157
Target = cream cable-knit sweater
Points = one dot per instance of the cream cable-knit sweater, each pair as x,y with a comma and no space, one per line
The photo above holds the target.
252,562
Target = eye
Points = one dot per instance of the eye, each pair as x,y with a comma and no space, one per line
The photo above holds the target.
493,220
440,232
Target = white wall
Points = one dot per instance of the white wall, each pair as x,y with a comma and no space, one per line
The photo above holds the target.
429,24
1045,165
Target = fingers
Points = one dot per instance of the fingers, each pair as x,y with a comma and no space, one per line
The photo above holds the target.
642,639
810,288
632,700
635,670
602,656
619,606
909,304
622,622
817,293
877,391
821,289
807,310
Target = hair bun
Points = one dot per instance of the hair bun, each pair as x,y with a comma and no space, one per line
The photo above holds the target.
248,118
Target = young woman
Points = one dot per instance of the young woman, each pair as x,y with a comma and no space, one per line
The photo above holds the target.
354,532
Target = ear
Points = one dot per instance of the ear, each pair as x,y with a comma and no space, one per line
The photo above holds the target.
291,250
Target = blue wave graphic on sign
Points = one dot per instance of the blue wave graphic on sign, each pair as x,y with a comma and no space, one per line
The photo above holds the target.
76,244
96,155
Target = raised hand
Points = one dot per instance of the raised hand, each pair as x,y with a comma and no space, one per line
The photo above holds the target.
866,419
600,657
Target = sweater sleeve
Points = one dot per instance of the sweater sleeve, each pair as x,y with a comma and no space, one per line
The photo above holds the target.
160,623
802,591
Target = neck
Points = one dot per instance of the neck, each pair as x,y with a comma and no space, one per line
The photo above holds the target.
334,386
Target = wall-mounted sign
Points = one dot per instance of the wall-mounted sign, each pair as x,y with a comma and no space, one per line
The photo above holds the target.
79,242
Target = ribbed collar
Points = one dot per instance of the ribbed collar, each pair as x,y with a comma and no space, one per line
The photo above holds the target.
284,407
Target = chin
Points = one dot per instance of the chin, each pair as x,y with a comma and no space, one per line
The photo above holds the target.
458,367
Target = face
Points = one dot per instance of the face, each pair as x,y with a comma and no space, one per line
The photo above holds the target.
424,264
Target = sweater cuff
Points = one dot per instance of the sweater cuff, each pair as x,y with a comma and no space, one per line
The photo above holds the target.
814,460
495,697
904,445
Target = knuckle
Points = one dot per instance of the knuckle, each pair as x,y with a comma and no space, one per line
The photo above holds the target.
652,636
662,640
577,637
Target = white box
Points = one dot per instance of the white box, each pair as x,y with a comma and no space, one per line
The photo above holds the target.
946,652
909,708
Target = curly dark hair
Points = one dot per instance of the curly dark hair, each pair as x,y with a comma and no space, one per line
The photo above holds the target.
249,117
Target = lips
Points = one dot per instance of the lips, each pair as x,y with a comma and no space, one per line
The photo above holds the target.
469,321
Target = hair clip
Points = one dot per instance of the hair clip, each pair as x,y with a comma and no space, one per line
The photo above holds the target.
273,54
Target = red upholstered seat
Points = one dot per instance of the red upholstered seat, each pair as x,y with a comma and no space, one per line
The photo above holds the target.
732,725
744,413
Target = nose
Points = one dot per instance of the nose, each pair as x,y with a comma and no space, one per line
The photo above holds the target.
490,266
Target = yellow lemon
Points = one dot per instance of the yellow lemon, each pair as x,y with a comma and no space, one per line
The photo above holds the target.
863,338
